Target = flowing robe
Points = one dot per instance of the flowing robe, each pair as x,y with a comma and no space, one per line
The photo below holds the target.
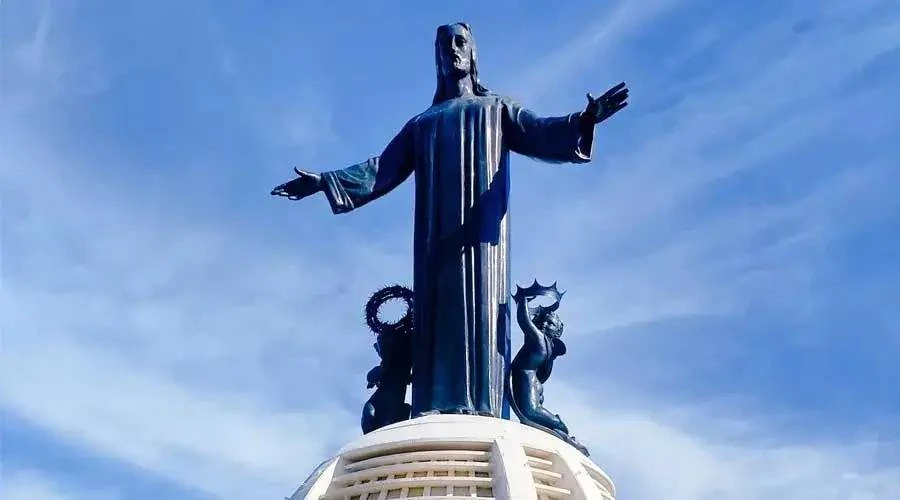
459,151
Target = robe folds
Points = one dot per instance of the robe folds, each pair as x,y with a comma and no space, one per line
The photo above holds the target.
459,150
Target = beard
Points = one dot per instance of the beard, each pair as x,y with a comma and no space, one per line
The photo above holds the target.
456,67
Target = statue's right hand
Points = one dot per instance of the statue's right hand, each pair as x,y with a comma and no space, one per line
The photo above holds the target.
306,183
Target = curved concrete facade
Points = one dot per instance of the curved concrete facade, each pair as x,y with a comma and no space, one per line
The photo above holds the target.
455,457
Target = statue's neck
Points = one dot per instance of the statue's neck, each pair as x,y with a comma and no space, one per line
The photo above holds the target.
458,87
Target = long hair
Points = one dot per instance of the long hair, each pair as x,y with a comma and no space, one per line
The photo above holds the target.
477,87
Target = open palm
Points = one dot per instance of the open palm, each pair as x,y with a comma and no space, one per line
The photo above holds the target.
306,184
611,102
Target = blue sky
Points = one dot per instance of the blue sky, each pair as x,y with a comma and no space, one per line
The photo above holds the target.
730,255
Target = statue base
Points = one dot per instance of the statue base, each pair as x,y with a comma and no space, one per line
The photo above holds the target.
455,457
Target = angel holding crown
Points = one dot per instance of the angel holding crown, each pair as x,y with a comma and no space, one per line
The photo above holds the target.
533,364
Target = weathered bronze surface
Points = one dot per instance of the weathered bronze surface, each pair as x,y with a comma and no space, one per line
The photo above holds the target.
459,151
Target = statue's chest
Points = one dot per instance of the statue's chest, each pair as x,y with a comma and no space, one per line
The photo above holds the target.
465,115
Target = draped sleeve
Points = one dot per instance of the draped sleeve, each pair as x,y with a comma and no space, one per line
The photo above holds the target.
558,139
358,184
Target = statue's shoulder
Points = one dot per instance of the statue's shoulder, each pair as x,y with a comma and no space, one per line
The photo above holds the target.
509,103
430,112
425,113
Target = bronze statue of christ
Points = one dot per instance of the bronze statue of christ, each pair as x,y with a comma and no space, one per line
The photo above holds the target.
459,151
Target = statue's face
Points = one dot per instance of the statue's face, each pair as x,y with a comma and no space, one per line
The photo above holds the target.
553,325
456,51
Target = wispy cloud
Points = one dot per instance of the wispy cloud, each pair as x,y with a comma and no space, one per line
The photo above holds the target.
30,485
589,48
229,446
652,456
36,69
157,361
666,228
32,54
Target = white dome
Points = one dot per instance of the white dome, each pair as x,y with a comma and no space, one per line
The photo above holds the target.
454,457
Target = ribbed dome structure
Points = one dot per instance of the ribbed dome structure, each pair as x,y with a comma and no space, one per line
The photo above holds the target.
455,457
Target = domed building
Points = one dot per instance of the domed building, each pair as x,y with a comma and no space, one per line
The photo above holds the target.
455,457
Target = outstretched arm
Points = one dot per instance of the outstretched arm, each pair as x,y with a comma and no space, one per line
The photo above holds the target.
562,139
558,139
358,184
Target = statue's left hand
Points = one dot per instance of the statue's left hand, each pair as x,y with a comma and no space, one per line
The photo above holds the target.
611,102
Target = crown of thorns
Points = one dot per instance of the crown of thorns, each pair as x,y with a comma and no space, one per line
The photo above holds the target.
394,292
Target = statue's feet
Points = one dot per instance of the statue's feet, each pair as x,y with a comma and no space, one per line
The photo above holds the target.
468,411
455,411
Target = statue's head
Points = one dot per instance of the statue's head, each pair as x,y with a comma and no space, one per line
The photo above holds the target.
393,344
455,57
547,321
